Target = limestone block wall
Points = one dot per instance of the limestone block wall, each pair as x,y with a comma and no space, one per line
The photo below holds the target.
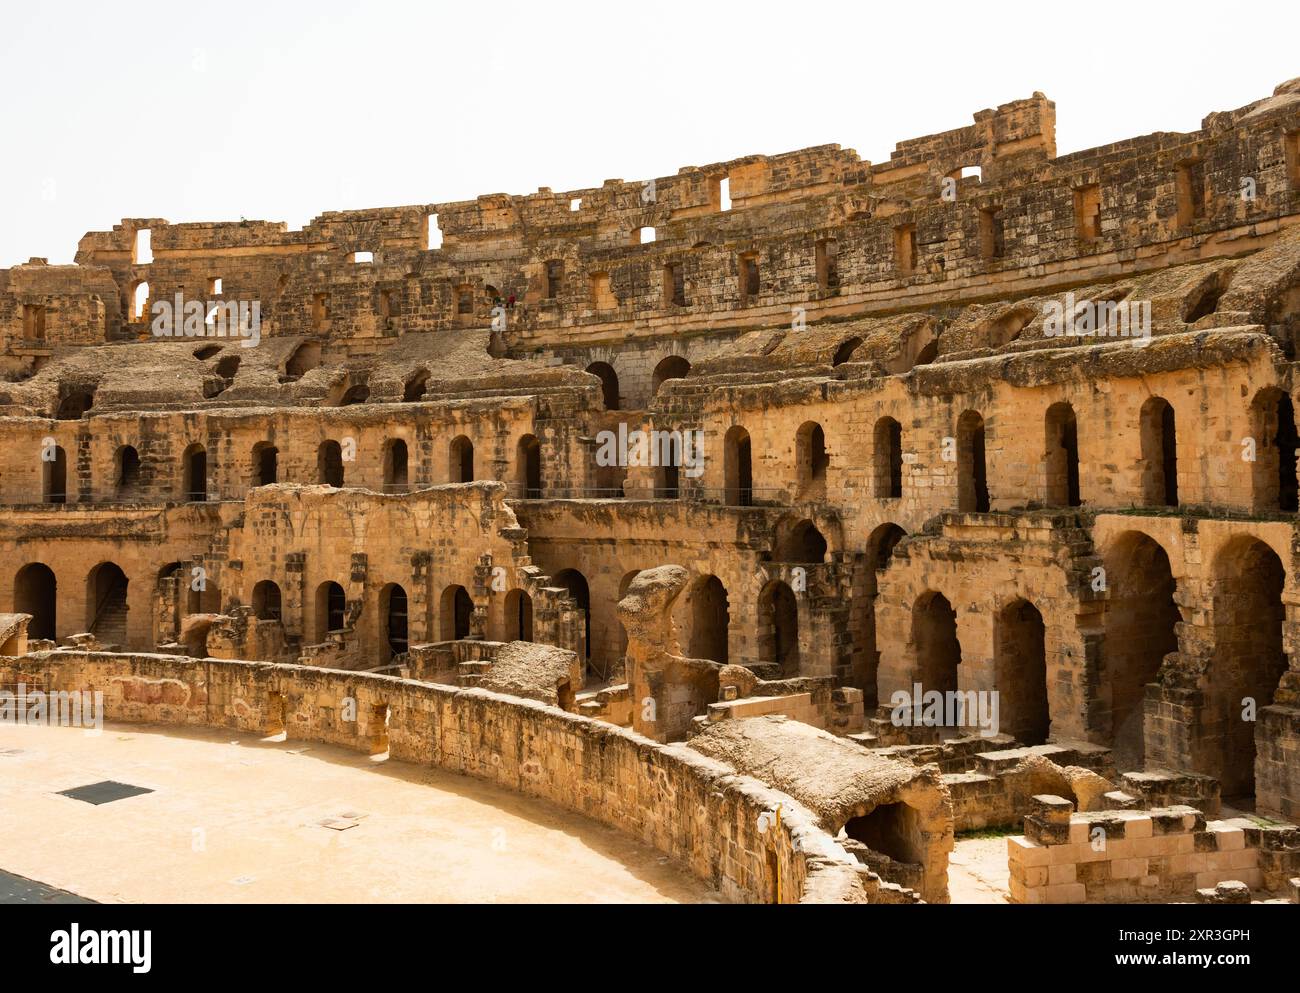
691,808
1136,856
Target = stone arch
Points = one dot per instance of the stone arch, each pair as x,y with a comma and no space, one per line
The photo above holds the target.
456,613
811,458
331,610
934,639
1061,456
1273,473
415,385
887,459
194,483
1020,672
460,460
106,603
609,389
1158,437
672,367
329,464
36,592
1140,631
396,468
301,361
266,464
710,619
738,467
1249,657
519,616
528,467
54,476
268,604
800,541
845,350
126,475
880,550
972,469
778,627
393,607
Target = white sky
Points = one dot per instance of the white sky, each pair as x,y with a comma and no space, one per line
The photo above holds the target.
280,111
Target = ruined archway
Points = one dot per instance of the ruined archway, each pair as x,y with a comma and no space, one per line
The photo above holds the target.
1061,457
329,464
36,592
460,460
576,583
1159,440
1273,432
778,627
738,467
267,601
972,471
1141,629
673,367
456,613
194,484
1248,660
608,383
1020,673
106,604
710,620
519,616
396,475
887,458
331,610
934,638
528,467
393,614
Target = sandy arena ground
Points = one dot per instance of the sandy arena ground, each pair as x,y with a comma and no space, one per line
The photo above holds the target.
238,819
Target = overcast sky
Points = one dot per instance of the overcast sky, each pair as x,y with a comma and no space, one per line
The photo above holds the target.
280,111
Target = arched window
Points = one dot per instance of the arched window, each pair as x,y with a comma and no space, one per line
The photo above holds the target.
887,458
519,616
395,466
331,610
608,383
710,620
811,458
460,460
392,608
738,467
528,462
266,601
779,628
1020,673
329,464
127,474
195,481
266,458
972,478
54,476
1159,442
457,613
673,367
1062,458
106,604
36,593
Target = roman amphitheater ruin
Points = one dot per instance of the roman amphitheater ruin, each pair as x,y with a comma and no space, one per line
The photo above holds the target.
661,501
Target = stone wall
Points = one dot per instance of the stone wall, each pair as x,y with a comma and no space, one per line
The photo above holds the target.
670,797
1158,855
